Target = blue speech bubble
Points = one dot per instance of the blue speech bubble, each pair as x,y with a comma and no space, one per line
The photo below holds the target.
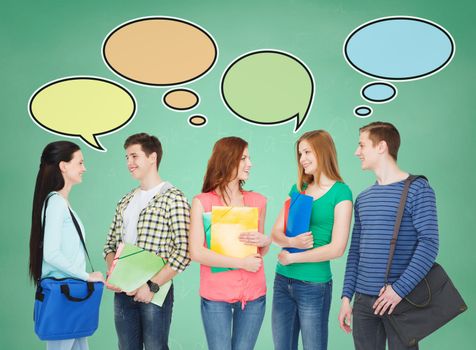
379,92
399,48
363,111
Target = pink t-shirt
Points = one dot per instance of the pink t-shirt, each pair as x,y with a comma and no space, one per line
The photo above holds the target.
235,285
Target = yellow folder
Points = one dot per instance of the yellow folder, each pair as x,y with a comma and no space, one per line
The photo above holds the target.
227,224
133,266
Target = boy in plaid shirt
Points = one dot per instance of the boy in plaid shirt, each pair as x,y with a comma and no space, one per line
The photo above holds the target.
155,217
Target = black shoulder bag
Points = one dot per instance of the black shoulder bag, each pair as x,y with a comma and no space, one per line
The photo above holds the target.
432,303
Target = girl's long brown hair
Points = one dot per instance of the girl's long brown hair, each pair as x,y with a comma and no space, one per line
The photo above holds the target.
323,146
223,164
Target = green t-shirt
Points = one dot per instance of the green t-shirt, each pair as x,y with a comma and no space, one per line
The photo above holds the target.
322,221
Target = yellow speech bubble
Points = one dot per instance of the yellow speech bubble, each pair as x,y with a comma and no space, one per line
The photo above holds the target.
84,107
159,51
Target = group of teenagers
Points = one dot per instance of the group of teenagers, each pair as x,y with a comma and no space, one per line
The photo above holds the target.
157,217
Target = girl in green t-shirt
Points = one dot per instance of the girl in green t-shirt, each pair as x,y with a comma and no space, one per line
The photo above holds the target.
303,282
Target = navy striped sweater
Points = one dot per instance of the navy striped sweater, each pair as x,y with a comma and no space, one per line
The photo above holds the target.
375,211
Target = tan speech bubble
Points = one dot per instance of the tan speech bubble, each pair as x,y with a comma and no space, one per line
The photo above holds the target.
197,120
159,51
84,107
181,99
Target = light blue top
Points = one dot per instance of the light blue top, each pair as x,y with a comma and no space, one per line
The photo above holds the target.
63,253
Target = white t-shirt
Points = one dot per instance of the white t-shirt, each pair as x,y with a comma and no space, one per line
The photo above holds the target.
134,208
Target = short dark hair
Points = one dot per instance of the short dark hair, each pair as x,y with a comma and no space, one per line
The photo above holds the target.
148,143
383,131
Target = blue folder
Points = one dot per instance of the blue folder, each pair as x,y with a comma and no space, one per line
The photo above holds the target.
299,217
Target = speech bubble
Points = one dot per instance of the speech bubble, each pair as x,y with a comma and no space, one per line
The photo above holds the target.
268,87
159,51
399,48
83,107
181,99
378,92
363,111
197,120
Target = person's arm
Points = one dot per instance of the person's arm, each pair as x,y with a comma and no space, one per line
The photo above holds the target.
110,247
335,249
353,257
56,211
302,241
350,279
424,219
205,256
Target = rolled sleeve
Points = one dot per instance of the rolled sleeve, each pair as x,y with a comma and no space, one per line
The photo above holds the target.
179,222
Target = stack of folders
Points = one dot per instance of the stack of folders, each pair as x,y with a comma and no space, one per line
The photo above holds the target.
132,267
223,226
297,216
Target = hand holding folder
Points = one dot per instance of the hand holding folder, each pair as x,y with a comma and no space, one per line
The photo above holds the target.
227,225
133,266
207,225
297,216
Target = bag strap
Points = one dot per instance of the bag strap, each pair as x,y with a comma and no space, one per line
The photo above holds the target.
80,234
398,220
78,229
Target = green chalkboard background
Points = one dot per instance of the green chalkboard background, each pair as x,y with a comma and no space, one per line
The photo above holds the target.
46,40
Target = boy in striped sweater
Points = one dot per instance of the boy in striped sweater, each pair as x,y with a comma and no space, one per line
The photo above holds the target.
375,212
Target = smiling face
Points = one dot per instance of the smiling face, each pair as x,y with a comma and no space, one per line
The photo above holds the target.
367,152
73,170
243,170
140,164
307,158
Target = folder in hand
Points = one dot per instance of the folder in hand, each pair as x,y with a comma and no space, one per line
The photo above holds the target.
297,216
227,225
207,225
132,267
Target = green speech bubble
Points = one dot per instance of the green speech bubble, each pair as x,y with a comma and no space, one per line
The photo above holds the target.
268,87
84,107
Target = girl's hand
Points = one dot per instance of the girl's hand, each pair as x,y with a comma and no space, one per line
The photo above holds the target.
302,241
96,277
285,258
255,238
251,263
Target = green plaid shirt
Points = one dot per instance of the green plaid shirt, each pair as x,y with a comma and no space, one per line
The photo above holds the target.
162,227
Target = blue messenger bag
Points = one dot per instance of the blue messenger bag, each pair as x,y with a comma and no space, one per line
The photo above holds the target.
66,308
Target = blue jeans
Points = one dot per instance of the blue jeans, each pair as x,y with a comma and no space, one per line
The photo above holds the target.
228,327
140,325
300,306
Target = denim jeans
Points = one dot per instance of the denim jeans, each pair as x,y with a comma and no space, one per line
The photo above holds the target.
372,331
300,306
140,325
229,327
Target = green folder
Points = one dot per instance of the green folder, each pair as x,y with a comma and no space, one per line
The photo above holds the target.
207,227
133,266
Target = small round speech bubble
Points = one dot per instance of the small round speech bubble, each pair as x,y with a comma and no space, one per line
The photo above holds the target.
379,92
197,120
268,87
399,48
181,99
159,51
362,111
84,107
